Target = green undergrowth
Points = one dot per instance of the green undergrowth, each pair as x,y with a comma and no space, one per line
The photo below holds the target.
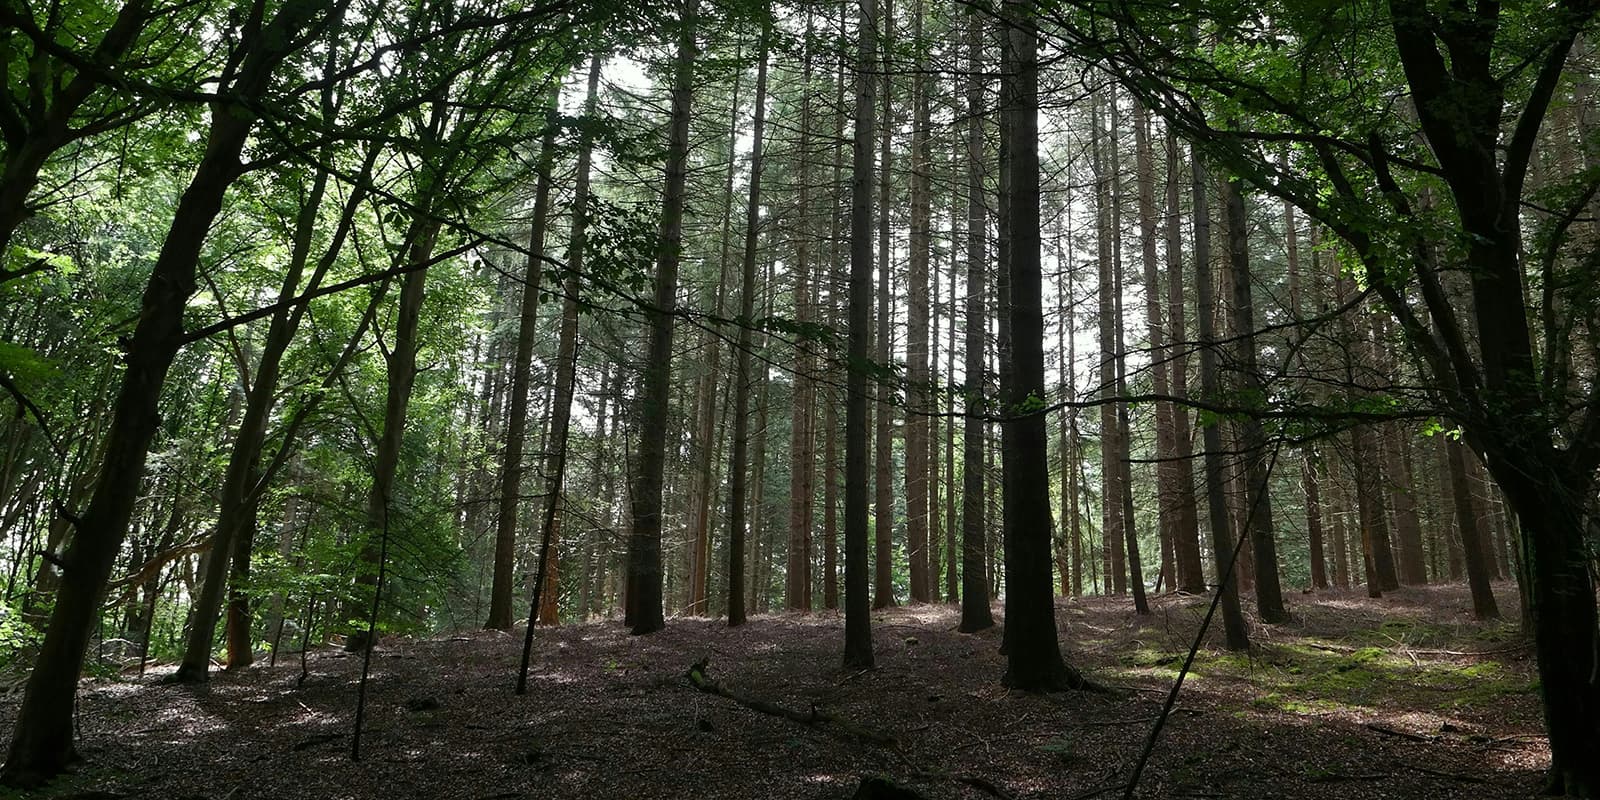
1375,669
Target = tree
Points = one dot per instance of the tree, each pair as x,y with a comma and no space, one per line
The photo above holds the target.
1481,79
41,742
644,596
1033,653
737,467
511,459
857,611
1258,514
975,613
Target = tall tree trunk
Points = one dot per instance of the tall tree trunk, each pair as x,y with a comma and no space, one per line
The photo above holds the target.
837,317
975,613
1253,440
802,436
1237,636
566,366
511,466
655,385
1166,477
737,467
857,613
1111,509
1186,521
708,438
1033,652
883,457
1130,533
916,424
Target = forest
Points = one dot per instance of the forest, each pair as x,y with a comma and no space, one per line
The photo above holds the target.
800,398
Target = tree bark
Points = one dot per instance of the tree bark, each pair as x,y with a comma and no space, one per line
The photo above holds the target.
511,466
883,456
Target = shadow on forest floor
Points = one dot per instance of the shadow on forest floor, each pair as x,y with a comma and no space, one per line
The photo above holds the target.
1399,697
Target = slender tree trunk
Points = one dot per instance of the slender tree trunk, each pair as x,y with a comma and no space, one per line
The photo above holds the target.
1473,538
1258,497
883,457
1186,520
709,437
737,467
511,466
857,614
1166,477
975,613
566,366
916,424
655,385
1237,636
1111,508
797,584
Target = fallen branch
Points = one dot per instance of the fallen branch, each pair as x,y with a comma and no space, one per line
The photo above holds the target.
1402,734
700,679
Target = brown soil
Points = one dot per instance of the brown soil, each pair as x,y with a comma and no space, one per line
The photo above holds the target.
1402,697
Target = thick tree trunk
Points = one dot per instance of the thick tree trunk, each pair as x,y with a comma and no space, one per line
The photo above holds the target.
1033,652
655,385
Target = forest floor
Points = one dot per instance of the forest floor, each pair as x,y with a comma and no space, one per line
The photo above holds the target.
1400,697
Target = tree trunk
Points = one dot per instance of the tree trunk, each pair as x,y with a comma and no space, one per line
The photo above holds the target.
1033,653
655,385
1111,508
1253,440
1237,636
1473,538
737,467
797,582
883,457
857,613
975,613
1166,477
566,366
511,466
916,424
